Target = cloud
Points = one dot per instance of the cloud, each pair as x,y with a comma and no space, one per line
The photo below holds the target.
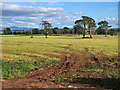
25,22
21,15
42,4
29,16
69,26
73,17
32,18
77,13
31,23
33,3
18,22
113,18
55,9
102,19
108,19
112,21
58,23
17,10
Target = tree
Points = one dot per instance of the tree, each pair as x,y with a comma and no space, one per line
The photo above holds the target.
78,29
71,31
65,28
7,31
20,32
112,32
55,30
104,25
91,25
31,32
86,23
27,32
15,33
35,31
100,30
79,24
46,26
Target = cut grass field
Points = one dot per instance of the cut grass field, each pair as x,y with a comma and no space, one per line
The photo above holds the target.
19,52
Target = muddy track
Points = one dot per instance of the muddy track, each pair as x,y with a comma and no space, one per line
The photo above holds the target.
44,77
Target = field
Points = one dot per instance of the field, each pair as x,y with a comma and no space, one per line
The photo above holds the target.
82,62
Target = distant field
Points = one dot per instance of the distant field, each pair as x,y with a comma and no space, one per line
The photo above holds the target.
18,49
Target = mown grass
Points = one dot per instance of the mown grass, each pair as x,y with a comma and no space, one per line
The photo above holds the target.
41,46
19,52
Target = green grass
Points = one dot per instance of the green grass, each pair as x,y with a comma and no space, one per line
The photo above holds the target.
42,46
108,73
20,69
19,52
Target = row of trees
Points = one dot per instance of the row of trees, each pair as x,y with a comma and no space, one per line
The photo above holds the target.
84,26
50,31
58,31
87,24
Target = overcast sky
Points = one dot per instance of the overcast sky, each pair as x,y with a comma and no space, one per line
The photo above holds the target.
59,14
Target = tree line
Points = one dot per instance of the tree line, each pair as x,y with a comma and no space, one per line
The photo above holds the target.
86,25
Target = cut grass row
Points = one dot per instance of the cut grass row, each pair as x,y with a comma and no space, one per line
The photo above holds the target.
41,46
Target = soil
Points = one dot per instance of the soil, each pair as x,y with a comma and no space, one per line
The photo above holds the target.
44,77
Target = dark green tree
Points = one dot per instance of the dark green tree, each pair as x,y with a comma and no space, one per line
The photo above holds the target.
78,29
20,32
15,33
87,23
112,32
55,30
27,32
105,26
71,31
100,30
66,30
91,25
7,31
35,31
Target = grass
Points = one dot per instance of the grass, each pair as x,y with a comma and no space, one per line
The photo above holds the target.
41,46
12,70
108,73
110,80
21,54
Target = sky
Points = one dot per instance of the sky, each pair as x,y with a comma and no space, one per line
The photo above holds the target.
59,14
60,0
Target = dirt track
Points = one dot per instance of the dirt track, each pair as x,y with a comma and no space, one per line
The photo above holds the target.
44,77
